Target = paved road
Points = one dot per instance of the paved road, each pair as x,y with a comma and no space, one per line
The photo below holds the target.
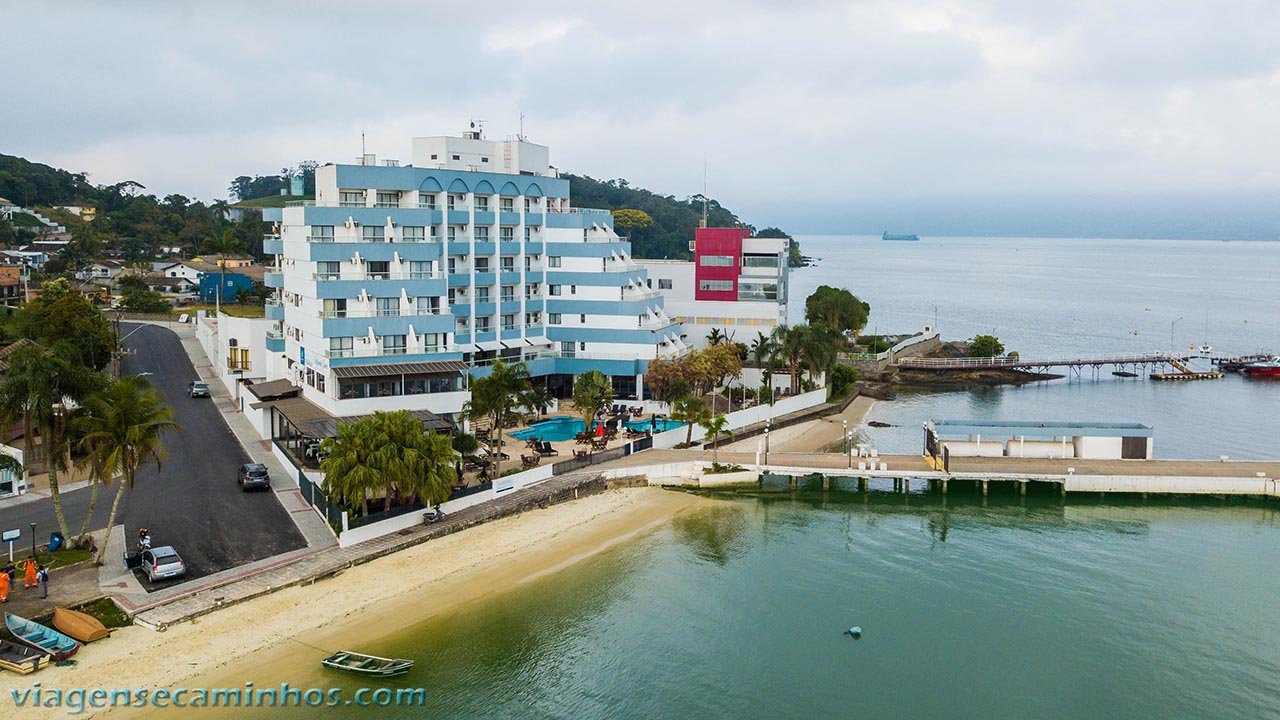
193,502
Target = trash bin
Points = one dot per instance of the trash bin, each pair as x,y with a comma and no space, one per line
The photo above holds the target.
56,541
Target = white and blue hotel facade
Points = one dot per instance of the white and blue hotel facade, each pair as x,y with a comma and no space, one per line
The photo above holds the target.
396,283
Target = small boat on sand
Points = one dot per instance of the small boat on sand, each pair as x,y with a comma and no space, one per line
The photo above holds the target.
78,625
21,659
362,664
35,635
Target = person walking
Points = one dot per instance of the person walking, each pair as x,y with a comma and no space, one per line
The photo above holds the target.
43,576
29,573
4,587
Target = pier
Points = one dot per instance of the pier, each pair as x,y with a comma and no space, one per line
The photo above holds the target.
1148,363
905,473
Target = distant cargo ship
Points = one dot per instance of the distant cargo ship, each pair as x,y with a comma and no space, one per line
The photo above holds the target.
900,238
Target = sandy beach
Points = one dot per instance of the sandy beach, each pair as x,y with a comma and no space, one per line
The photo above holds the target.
222,649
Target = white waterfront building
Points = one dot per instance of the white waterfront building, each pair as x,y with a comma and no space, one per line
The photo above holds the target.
397,282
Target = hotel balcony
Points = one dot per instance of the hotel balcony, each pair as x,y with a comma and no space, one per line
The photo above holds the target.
275,341
272,245
273,309
273,279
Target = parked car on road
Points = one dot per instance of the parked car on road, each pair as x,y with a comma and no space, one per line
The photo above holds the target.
198,389
162,563
254,475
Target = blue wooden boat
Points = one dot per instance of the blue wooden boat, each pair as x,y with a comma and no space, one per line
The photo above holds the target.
35,635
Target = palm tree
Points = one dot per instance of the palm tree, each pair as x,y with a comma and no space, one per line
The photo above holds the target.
495,397
538,398
690,410
123,425
225,245
592,392
38,381
716,336
438,476
351,466
410,459
715,426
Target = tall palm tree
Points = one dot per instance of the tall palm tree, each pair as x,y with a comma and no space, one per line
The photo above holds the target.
716,336
538,398
37,386
225,245
123,427
592,392
690,410
351,466
495,397
715,426
436,480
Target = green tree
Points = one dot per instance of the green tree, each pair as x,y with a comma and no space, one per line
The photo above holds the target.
689,410
38,386
351,464
716,336
715,426
537,398
144,301
62,315
837,309
592,392
495,398
122,430
986,346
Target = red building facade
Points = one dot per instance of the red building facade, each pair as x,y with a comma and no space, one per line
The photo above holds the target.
717,256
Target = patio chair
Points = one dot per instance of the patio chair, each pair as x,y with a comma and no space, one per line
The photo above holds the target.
544,448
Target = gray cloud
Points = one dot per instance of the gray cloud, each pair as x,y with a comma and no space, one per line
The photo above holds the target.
816,105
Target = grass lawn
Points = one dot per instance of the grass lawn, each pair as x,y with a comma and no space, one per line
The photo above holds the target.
64,558
246,311
271,201
25,220
106,612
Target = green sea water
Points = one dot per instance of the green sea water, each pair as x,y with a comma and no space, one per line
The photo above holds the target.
1019,608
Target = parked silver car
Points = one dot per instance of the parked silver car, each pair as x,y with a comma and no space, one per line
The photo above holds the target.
198,388
254,475
162,563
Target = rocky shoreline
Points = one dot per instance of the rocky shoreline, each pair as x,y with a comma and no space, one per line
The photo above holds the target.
885,384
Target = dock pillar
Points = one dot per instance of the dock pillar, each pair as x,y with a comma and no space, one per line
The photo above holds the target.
1022,488
791,480
984,488
826,483
862,485
944,486
906,485
1063,488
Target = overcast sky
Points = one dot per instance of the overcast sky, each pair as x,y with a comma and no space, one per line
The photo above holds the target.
982,117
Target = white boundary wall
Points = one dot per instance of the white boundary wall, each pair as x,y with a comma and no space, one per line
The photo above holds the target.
742,418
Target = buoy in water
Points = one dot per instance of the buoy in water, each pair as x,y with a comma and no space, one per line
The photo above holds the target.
854,631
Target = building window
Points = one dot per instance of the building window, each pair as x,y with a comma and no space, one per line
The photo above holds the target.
573,289
387,200
582,319
427,200
532,318
528,233
321,233
483,324
373,233
347,198
453,295
508,204
482,234
762,261
413,233
757,291
664,284
509,322
393,344
508,263
421,269
716,261
388,306
508,293
482,202
553,318
507,234
431,342
434,156
532,290
335,308
715,284
484,159
482,294
555,290
482,264
457,157
553,261
341,346
427,305
328,270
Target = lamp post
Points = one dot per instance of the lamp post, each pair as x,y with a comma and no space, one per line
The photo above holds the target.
848,441
845,434
766,441
33,540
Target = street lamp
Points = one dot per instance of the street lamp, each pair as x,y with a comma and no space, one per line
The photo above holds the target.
33,540
766,441
846,435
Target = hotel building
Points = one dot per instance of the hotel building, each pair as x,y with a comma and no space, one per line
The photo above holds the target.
397,282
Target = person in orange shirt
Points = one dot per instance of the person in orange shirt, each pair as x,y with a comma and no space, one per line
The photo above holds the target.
4,587
29,573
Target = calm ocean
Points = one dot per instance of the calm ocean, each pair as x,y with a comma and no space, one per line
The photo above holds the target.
1075,297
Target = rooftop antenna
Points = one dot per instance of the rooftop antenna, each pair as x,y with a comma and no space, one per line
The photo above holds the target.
704,192
362,150
520,136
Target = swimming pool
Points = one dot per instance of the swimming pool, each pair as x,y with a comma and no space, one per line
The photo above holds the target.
663,424
561,427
